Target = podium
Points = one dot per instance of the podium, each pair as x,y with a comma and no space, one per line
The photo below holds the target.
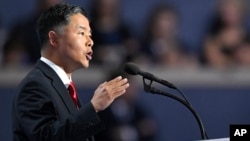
219,139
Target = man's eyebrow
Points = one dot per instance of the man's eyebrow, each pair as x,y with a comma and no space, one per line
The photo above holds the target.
84,28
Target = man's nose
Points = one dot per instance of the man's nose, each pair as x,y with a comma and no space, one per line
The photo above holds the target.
90,42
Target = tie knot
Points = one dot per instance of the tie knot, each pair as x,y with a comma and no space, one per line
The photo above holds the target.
71,86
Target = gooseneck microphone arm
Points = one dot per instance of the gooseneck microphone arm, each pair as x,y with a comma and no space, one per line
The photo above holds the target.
133,69
153,90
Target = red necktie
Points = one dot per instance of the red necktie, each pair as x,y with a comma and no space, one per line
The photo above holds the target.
72,93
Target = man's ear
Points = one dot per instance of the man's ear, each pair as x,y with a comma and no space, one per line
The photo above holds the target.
53,38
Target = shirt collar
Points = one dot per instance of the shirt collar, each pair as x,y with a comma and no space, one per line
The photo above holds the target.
59,71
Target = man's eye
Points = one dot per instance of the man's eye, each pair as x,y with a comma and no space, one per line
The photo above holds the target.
81,33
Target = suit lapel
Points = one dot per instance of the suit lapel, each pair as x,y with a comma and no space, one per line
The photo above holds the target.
57,84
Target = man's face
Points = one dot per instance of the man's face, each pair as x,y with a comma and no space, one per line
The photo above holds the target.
75,43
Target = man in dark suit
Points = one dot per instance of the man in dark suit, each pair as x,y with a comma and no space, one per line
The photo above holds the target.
43,109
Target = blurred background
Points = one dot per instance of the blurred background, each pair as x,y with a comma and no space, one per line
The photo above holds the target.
203,47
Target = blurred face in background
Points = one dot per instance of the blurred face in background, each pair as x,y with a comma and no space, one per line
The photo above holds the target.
108,7
231,36
166,25
231,11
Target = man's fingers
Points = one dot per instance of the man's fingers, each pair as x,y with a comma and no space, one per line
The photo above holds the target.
115,80
121,88
108,91
103,83
118,84
121,82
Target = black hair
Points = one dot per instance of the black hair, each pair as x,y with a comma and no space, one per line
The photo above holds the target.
55,18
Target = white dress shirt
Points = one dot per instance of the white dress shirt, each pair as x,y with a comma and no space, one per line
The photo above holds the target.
59,71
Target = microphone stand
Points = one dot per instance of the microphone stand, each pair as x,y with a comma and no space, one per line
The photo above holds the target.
153,90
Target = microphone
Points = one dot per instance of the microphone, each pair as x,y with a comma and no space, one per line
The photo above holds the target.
133,69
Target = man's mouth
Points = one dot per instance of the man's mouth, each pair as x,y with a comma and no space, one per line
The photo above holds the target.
89,56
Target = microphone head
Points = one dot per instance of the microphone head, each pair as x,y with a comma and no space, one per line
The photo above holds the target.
131,68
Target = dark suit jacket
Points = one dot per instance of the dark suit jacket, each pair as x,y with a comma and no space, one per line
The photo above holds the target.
43,110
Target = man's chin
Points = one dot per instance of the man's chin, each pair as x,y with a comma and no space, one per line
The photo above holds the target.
85,65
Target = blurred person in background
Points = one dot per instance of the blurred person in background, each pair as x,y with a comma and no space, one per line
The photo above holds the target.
162,44
3,35
226,34
114,43
243,54
126,119
21,48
